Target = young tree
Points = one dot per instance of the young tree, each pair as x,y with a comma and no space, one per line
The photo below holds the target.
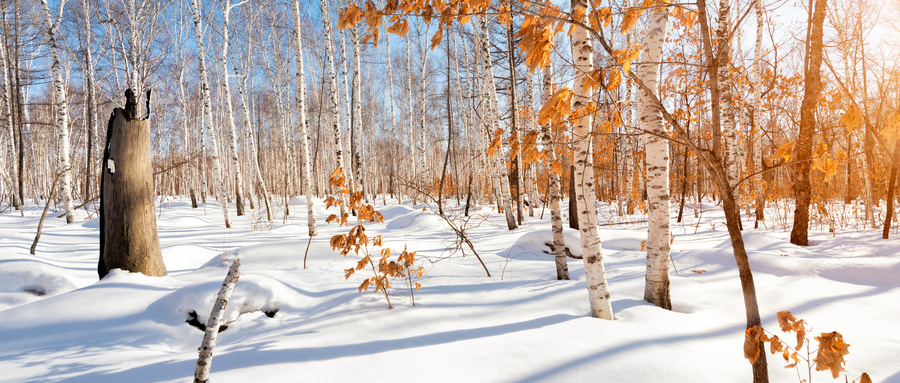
229,108
62,107
304,131
547,134
207,114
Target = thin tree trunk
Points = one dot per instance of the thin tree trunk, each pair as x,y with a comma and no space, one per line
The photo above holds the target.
756,129
229,109
304,130
514,132
333,89
204,361
62,108
892,181
559,242
490,92
207,115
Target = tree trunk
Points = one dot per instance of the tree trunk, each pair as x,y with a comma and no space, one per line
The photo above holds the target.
656,288
204,360
892,181
803,150
559,242
594,270
490,93
128,234
304,130
756,129
335,103
207,116
229,109
62,109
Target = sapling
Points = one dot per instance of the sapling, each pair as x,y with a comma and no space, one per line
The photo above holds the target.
359,243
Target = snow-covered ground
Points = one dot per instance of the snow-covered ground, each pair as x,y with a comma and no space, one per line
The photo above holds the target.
58,323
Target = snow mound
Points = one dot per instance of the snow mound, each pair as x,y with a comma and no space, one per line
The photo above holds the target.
392,212
537,243
416,220
270,256
251,293
25,281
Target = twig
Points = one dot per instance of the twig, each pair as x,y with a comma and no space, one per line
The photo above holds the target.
46,207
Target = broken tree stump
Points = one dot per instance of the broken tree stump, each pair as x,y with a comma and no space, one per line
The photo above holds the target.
128,236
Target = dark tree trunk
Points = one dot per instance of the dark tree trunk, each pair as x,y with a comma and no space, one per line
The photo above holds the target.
573,207
128,237
803,151
892,181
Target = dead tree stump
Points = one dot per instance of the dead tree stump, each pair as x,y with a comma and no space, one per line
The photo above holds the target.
128,237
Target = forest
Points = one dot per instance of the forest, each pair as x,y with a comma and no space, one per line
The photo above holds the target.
450,190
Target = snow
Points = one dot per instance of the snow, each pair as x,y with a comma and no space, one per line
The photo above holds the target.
519,325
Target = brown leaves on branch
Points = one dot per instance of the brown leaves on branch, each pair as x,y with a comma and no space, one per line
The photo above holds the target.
830,355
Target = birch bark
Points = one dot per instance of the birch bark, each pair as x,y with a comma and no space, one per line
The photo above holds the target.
489,91
656,287
304,130
559,242
62,109
333,89
207,115
229,108
585,193
756,131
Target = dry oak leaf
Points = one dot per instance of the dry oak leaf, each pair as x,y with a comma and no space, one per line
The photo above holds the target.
831,353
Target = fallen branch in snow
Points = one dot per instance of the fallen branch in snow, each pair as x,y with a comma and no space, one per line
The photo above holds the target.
201,374
37,237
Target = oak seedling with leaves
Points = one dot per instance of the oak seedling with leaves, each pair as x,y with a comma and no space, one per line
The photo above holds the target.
357,242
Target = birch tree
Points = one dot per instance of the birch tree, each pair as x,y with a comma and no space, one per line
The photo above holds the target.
62,108
8,121
594,270
304,130
489,93
248,131
333,89
547,134
756,131
656,288
229,107
207,115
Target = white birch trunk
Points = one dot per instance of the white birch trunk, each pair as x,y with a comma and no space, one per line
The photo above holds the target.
585,192
8,121
423,132
333,89
394,145
559,242
347,117
410,135
489,90
62,109
656,287
251,140
756,131
358,130
729,130
304,130
204,361
207,115
229,109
